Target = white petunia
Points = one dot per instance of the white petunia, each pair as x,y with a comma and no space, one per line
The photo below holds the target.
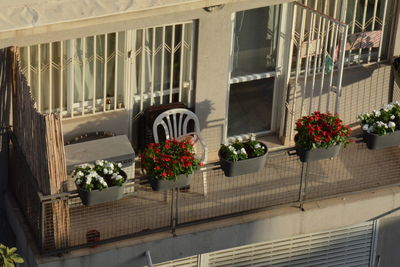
377,113
105,171
392,117
246,137
79,174
231,140
110,165
365,127
119,177
234,152
239,139
119,165
242,151
114,176
88,180
371,129
231,148
252,137
257,146
391,124
99,162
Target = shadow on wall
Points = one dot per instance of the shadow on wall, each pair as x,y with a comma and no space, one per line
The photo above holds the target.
363,89
116,122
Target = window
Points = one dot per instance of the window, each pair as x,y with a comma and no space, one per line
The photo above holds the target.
130,69
370,23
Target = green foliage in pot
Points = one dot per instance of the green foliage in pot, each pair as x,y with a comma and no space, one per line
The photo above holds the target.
321,130
242,148
9,257
167,160
383,121
99,176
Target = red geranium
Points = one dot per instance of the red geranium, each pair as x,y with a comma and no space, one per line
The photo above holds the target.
169,159
321,130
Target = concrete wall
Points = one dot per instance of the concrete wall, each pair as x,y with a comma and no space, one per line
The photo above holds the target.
116,122
387,253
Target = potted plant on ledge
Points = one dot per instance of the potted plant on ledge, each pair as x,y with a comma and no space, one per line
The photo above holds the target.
320,136
100,182
242,156
170,164
382,127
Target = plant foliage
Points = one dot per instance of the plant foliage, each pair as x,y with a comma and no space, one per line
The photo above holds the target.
321,130
242,148
9,257
167,160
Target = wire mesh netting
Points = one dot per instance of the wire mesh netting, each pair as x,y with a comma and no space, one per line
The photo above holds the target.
277,183
356,168
283,180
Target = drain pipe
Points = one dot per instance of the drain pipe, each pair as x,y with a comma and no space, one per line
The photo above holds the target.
148,257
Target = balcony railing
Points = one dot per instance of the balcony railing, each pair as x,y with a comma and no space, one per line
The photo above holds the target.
284,181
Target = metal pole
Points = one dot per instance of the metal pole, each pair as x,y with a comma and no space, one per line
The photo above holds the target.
148,258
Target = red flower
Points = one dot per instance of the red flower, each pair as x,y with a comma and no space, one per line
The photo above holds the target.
164,174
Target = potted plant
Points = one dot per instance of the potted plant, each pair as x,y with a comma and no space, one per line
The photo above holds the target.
382,127
169,164
100,182
9,257
242,156
320,136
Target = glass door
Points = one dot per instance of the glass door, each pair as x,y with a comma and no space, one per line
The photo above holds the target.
253,70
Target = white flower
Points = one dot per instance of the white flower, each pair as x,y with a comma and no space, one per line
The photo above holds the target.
119,165
242,151
377,113
88,180
99,162
79,174
239,139
252,137
78,181
371,129
246,137
231,140
391,124
234,152
388,107
119,177
231,148
105,171
365,127
392,117
257,146
110,165
114,176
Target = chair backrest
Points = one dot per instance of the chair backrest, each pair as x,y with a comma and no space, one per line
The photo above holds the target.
175,123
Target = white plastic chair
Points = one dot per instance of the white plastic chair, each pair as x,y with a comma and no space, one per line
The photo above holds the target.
175,124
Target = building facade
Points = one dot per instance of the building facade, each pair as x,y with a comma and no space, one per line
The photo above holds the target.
243,67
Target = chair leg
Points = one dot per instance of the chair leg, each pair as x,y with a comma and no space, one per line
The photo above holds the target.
205,191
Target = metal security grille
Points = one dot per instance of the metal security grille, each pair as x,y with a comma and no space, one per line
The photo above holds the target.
318,50
340,247
130,69
370,23
350,246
